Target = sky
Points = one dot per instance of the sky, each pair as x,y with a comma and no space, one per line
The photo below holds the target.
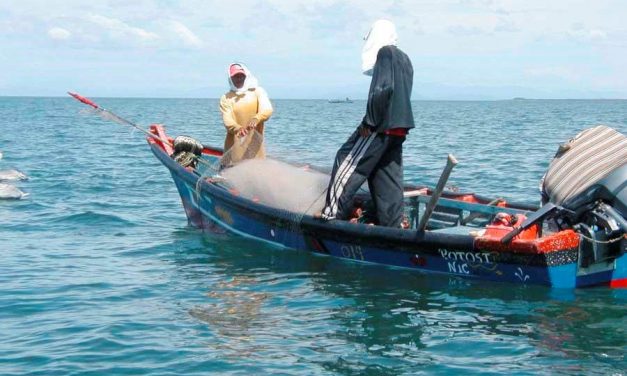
460,49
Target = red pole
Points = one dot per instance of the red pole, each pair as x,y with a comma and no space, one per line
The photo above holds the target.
84,100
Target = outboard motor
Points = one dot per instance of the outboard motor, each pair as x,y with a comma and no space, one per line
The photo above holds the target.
587,182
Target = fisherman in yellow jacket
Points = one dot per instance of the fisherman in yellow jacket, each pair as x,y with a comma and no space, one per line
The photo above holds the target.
244,109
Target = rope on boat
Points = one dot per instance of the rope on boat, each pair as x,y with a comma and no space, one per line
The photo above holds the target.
187,151
300,220
624,236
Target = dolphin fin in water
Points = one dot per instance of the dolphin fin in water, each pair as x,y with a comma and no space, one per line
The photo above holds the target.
12,175
9,192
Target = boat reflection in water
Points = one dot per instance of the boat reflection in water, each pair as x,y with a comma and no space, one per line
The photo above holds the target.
253,299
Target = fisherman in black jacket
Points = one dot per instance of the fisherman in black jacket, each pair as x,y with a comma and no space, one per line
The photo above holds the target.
375,150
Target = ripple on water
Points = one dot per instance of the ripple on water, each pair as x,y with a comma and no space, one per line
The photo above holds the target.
91,218
101,275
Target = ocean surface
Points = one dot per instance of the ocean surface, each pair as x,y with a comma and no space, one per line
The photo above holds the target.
101,275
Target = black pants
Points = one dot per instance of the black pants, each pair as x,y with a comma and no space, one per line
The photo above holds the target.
378,158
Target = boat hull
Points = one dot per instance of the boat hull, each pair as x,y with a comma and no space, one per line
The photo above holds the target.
215,209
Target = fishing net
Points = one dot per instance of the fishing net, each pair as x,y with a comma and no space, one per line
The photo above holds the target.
292,190
245,147
104,115
295,189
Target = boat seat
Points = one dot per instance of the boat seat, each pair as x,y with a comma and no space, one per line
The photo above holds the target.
443,217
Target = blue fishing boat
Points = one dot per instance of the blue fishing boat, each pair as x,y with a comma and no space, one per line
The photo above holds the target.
580,242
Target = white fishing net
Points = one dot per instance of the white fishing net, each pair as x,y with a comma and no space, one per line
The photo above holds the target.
104,115
245,147
298,190
279,185
248,147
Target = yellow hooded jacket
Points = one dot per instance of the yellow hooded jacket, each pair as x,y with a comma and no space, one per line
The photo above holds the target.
238,107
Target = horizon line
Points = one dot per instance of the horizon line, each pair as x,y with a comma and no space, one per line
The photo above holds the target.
326,99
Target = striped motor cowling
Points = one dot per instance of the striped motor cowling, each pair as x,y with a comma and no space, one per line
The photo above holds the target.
582,161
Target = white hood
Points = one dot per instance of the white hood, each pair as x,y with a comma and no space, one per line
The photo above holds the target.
382,33
249,83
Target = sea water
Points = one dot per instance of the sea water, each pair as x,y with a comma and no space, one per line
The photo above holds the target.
100,274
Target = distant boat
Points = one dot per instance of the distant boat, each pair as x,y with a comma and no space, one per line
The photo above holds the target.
347,100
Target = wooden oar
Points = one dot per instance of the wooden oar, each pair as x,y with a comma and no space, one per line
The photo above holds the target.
450,163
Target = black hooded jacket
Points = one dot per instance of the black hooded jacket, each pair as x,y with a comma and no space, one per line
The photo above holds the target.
389,103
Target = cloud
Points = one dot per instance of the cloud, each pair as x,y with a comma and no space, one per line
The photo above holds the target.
481,24
15,26
461,30
59,33
506,27
534,43
120,30
185,34
579,31
559,72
